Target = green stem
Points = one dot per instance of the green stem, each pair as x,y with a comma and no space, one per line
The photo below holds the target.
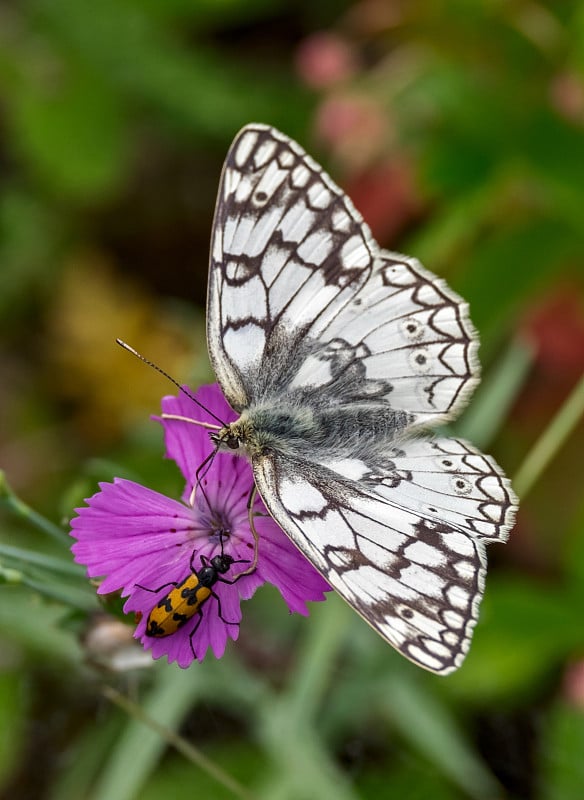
49,563
172,738
495,396
551,440
20,509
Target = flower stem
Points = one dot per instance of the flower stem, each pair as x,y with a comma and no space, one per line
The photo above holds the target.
551,440
47,563
172,738
495,396
18,507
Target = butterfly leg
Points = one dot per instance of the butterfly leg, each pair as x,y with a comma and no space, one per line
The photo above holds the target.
254,533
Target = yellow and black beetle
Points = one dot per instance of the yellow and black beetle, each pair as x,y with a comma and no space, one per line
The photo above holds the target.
186,598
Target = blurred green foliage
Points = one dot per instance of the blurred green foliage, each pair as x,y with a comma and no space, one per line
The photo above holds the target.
115,120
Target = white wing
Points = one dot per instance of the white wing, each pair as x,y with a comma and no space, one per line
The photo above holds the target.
443,479
411,342
288,250
418,582
303,302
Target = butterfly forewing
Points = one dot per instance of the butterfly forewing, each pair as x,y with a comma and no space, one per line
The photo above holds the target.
288,251
344,353
301,299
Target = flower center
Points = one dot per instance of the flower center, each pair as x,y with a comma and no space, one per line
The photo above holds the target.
218,529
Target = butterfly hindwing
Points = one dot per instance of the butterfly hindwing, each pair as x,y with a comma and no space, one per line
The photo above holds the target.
412,339
417,581
442,479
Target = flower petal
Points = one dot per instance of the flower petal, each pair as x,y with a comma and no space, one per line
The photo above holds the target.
187,443
147,544
128,532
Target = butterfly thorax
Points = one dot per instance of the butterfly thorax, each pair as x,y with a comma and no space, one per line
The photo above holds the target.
302,430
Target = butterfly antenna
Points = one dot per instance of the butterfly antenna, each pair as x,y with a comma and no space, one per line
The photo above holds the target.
170,378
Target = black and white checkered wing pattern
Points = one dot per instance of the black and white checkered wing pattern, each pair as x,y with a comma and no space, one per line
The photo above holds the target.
416,580
443,479
408,340
303,301
288,251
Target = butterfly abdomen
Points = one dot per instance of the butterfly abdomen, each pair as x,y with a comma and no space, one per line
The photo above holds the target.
303,431
355,429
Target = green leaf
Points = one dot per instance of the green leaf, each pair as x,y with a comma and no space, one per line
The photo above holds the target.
562,747
197,89
12,728
29,234
176,778
553,148
511,266
71,131
573,556
526,627
413,780
427,722
36,626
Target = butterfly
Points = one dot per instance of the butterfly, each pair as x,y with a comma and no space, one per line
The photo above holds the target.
340,358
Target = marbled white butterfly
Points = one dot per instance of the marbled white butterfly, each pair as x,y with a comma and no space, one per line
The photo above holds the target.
339,356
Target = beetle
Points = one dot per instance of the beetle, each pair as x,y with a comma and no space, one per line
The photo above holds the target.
188,597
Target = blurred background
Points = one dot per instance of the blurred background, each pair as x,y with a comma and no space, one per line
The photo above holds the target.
457,129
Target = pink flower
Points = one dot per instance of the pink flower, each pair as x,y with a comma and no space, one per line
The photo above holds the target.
145,543
354,127
324,59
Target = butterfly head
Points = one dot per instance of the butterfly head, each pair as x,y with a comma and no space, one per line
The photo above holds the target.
239,437
234,437
226,439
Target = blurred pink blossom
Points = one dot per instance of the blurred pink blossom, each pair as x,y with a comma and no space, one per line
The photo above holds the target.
567,95
324,59
386,196
354,127
556,326
573,684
